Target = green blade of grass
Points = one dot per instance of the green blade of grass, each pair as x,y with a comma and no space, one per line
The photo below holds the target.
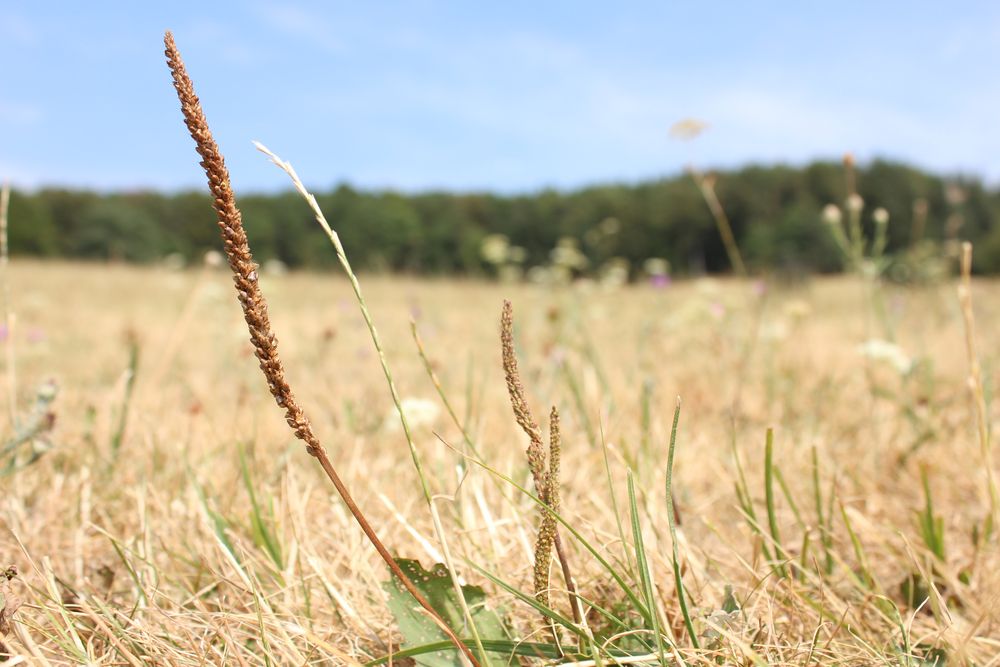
772,518
642,565
672,523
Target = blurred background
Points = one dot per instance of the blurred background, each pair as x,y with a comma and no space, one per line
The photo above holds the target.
521,141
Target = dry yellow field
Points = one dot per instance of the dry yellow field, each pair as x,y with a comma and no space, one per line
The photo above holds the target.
147,552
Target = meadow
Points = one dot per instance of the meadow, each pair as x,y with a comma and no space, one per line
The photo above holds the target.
757,471
171,517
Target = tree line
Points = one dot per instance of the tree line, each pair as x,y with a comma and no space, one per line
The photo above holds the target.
775,213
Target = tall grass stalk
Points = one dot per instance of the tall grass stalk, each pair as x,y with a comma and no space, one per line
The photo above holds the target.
377,342
976,383
822,521
706,184
254,307
8,318
672,523
642,566
772,518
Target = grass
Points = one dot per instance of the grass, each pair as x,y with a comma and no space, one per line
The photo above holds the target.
184,547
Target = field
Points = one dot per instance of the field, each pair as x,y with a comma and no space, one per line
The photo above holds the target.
176,520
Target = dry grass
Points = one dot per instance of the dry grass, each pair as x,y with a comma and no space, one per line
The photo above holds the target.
155,556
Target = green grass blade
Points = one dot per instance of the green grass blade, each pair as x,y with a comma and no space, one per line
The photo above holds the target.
772,518
672,523
642,565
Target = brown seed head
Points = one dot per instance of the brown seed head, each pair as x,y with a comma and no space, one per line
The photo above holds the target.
237,249
548,535
522,414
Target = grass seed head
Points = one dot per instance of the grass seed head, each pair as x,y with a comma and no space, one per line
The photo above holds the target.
515,389
237,249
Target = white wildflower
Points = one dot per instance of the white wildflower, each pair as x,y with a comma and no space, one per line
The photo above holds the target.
418,412
567,254
832,214
494,248
656,266
882,350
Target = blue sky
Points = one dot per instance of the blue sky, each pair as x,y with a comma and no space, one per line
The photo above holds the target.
507,96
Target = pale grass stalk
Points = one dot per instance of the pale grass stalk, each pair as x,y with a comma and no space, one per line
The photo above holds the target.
52,588
706,185
109,633
850,180
377,342
976,379
647,658
8,317
424,543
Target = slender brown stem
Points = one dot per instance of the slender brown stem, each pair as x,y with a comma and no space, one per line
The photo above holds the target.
706,184
255,313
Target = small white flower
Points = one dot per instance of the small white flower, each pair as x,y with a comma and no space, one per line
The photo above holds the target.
880,216
494,248
855,203
567,254
882,350
831,214
418,412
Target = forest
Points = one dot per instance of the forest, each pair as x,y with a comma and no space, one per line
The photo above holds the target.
775,213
